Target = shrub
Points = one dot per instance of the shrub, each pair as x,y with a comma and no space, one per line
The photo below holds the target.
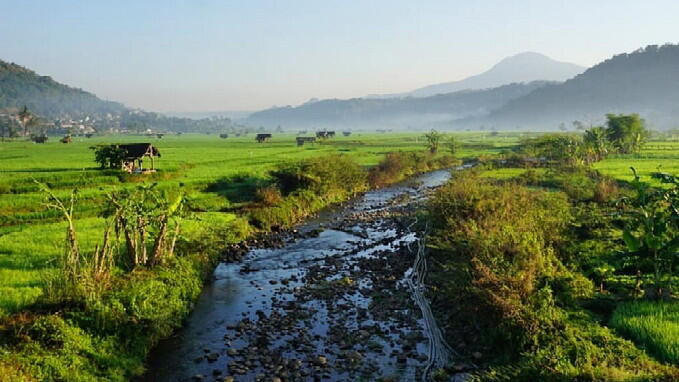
324,175
399,165
269,195
606,190
498,267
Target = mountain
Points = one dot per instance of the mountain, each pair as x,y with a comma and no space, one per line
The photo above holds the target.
645,81
41,94
523,67
425,112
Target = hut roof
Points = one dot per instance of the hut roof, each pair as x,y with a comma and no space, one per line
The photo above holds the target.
138,150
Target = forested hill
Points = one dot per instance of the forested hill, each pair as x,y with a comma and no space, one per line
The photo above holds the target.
41,94
645,82
425,112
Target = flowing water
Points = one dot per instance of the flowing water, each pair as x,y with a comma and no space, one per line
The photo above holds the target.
343,305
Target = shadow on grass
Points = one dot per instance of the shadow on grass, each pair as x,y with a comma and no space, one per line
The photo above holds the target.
239,188
48,170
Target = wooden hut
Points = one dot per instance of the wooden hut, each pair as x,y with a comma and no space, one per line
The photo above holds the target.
134,157
262,137
302,140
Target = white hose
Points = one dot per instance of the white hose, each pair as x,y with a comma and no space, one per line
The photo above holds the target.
439,353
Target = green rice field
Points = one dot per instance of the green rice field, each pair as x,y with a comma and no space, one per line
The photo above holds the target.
216,173
653,324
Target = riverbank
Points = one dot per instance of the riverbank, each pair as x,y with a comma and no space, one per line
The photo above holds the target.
513,268
330,303
111,338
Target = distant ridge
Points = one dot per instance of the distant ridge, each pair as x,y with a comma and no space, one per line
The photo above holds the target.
645,81
410,112
41,94
523,67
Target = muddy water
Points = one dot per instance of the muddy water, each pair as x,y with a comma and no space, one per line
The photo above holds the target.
332,306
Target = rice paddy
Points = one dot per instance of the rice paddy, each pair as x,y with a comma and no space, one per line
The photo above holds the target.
31,236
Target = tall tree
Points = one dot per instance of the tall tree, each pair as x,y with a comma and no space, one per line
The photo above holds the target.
626,132
25,115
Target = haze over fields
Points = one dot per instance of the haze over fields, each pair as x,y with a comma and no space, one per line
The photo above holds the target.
395,65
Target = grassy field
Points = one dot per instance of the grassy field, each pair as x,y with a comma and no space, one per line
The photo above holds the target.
30,235
219,176
656,156
217,173
654,324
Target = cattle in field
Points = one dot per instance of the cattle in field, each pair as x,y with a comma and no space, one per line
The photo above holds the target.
346,133
260,138
324,134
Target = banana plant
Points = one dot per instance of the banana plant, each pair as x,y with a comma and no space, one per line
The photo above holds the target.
651,234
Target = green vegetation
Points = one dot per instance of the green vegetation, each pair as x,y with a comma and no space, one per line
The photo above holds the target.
133,264
532,258
21,87
653,324
232,187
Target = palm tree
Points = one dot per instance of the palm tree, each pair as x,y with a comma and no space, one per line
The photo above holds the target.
33,125
25,115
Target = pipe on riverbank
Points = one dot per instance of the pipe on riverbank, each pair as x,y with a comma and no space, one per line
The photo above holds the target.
439,353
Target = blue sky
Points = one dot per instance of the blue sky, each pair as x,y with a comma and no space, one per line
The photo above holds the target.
198,55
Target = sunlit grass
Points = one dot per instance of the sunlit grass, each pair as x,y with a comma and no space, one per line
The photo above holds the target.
31,236
652,324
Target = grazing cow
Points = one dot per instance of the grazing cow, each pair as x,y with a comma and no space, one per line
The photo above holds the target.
346,133
39,138
66,139
262,137
223,136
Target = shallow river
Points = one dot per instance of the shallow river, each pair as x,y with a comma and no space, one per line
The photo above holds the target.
329,306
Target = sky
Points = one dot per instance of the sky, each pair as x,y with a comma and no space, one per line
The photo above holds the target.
205,55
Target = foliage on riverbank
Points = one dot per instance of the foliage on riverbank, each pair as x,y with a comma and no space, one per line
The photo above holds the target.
514,270
69,336
304,187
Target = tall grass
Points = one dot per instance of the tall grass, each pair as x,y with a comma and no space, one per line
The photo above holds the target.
652,324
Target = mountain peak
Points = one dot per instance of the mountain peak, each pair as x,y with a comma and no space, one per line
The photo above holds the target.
521,67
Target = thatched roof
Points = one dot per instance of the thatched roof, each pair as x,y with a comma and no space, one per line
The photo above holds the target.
138,150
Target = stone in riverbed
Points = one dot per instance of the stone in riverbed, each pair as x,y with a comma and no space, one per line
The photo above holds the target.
212,357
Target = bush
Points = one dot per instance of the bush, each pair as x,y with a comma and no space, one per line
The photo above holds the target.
499,252
334,174
399,165
269,195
